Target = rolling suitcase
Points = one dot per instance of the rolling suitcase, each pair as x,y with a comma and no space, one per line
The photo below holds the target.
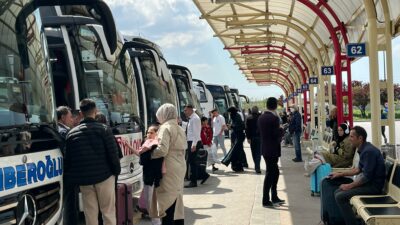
124,204
330,213
315,180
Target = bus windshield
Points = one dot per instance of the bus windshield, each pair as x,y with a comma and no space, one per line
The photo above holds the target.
184,95
25,92
101,80
158,91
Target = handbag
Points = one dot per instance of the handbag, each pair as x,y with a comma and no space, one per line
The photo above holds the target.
201,157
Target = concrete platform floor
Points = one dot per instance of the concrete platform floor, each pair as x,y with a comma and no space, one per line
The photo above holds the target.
229,198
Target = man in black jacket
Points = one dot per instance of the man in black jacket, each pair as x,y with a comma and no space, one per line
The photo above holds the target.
91,161
253,137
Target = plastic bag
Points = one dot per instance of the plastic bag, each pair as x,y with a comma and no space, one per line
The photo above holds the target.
311,165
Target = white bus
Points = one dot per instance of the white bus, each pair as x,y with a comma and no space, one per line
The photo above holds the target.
86,63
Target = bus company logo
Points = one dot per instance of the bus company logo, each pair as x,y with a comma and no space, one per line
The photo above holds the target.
30,173
26,210
128,145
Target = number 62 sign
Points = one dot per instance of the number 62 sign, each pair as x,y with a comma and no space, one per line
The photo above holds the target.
356,50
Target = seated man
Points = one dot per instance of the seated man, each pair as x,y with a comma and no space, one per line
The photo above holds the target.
370,174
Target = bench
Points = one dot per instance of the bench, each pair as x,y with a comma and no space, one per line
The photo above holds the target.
324,145
382,209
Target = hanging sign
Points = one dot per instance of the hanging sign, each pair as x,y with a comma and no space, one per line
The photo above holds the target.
299,91
305,87
313,80
354,50
327,70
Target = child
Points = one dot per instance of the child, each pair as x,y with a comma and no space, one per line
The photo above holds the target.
206,139
151,176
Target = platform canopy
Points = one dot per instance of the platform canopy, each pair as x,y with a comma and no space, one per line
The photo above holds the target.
288,35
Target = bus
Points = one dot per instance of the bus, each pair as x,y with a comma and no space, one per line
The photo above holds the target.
204,96
220,98
86,63
155,83
184,89
31,162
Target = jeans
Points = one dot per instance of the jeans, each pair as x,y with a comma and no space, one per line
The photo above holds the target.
343,200
271,179
296,140
220,140
256,152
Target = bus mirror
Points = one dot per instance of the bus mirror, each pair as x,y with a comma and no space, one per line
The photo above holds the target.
110,56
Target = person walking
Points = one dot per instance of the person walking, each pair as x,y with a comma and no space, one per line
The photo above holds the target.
271,135
219,126
238,158
383,117
168,201
295,129
65,122
371,173
193,137
91,162
206,139
253,137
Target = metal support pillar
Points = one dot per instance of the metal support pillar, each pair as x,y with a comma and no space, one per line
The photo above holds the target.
374,72
389,67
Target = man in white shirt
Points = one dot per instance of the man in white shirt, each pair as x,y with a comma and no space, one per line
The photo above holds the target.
193,131
219,127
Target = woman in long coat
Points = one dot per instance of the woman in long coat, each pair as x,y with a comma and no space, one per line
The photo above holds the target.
167,201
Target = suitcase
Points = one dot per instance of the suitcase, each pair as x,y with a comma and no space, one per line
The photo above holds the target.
124,204
315,180
330,212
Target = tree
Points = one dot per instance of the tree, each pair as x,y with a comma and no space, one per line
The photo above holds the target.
360,95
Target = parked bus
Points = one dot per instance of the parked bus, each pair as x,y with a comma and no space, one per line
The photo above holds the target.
86,64
155,83
31,163
204,96
184,89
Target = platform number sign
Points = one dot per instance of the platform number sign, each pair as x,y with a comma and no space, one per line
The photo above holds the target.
295,94
313,80
356,50
327,70
305,87
299,91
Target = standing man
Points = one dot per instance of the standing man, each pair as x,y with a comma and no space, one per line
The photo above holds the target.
65,122
370,174
219,126
253,137
271,136
193,131
295,129
91,162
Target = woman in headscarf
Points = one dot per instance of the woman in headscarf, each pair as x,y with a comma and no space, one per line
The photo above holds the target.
343,154
238,157
168,200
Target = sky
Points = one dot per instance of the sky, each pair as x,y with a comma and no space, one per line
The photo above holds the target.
188,41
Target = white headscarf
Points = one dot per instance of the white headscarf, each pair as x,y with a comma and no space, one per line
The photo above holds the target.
166,112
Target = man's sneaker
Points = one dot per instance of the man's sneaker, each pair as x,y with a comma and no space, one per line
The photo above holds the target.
278,201
214,168
297,160
268,205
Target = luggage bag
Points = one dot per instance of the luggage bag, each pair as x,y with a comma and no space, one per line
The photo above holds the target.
330,212
124,204
315,179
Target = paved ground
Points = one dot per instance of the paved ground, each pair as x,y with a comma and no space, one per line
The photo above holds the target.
367,126
235,198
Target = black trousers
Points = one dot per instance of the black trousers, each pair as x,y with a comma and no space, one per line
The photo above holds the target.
70,204
191,162
271,179
169,218
255,146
